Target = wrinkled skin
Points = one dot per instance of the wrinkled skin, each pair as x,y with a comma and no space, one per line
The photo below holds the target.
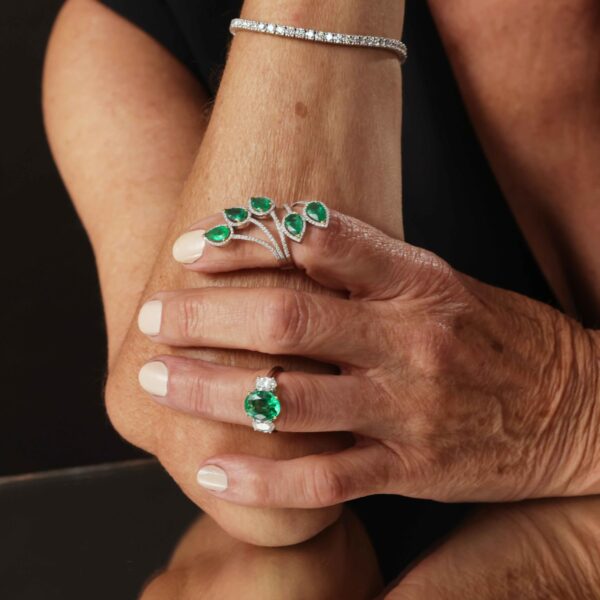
454,390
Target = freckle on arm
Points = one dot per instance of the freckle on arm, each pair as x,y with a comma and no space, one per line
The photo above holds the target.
300,109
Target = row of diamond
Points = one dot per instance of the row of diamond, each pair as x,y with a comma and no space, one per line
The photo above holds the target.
314,35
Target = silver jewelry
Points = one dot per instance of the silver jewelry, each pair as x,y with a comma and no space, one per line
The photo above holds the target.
261,404
326,37
291,227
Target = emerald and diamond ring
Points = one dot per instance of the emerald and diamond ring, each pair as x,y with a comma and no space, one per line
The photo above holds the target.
262,404
293,225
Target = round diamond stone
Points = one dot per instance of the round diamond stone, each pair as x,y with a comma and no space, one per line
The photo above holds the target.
263,425
262,404
266,384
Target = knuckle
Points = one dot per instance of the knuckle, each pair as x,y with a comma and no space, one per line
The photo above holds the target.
299,413
435,348
259,489
187,314
332,241
325,486
195,393
284,324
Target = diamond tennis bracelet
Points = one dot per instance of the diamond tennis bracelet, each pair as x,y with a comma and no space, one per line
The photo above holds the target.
326,37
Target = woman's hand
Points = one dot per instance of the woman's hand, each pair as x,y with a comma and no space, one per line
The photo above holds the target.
454,390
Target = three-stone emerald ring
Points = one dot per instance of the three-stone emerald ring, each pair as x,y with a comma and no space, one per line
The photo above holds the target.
262,404
292,226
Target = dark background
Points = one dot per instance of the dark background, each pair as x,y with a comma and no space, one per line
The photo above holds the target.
53,344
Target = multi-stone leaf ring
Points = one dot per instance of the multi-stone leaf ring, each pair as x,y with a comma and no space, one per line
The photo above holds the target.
292,226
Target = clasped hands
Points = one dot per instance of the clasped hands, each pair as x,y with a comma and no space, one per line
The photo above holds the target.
453,390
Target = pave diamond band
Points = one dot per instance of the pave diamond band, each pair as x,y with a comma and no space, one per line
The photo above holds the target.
326,37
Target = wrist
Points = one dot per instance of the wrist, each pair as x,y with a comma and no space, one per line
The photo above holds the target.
581,394
308,120
591,484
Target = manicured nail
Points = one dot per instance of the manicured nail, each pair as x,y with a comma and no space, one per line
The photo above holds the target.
188,248
154,378
212,478
149,317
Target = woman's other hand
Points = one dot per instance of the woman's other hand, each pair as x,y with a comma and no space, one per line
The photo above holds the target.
455,391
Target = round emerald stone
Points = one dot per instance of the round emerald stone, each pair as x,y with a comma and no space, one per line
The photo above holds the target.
317,211
261,205
218,234
294,224
236,215
262,404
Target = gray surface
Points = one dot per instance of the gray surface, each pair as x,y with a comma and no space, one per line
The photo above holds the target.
88,533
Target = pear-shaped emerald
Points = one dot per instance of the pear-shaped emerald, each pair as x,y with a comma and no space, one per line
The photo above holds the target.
262,404
218,235
317,212
261,205
236,215
294,225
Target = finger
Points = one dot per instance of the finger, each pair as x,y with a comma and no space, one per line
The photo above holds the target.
272,321
313,481
348,254
309,403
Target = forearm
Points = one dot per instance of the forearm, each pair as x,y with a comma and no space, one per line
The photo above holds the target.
295,119
292,120
124,133
531,550
534,97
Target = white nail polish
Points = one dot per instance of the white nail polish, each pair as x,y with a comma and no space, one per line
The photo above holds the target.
154,378
212,478
149,317
188,248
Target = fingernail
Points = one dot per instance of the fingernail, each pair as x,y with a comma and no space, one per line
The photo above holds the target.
154,378
149,317
189,247
212,478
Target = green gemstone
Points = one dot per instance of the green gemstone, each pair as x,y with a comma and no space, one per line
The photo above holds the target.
261,205
265,404
294,225
236,215
218,234
317,211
